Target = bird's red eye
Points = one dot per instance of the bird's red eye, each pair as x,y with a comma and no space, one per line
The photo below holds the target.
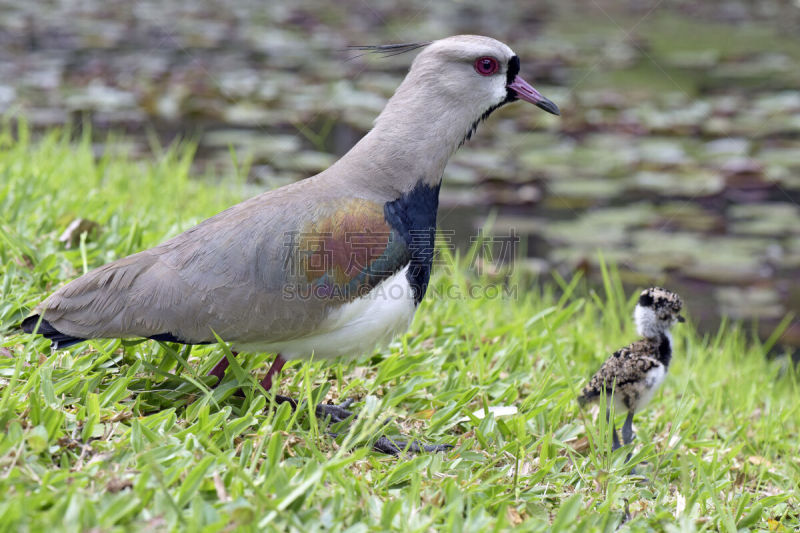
486,66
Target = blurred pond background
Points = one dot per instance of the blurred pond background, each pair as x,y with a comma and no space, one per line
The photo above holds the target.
677,153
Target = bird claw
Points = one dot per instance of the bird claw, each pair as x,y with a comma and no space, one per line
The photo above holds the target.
642,477
395,447
334,414
634,471
285,399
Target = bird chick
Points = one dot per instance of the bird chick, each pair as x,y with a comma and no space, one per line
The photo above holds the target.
631,376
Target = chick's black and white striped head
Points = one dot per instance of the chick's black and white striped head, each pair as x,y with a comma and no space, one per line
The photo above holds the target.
657,311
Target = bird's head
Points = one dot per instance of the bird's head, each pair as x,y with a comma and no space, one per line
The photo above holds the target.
462,79
657,311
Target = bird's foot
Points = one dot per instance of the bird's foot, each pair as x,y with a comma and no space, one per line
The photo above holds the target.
285,399
395,447
331,413
334,413
634,472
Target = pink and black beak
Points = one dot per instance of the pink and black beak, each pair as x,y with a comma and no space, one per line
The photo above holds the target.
519,89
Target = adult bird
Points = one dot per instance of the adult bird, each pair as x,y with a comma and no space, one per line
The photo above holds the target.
332,265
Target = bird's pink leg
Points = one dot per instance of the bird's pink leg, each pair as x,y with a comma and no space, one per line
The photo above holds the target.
273,370
277,365
219,369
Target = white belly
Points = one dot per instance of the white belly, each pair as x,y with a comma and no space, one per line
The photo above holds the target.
356,327
639,393
652,381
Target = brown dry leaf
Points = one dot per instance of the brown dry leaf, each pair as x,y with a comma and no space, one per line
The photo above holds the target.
774,525
219,486
122,415
758,460
24,261
639,507
581,445
425,414
490,340
513,516
428,344
527,467
117,485
72,235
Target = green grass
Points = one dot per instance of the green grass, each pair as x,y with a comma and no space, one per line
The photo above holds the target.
113,436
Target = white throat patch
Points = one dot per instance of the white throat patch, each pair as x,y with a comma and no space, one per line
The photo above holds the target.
647,323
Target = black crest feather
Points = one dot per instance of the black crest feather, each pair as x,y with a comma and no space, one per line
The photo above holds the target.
387,50
646,299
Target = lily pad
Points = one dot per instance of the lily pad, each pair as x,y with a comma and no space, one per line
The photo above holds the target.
590,189
252,142
742,303
688,216
727,147
308,161
662,153
585,234
101,97
692,183
768,219
248,114
788,156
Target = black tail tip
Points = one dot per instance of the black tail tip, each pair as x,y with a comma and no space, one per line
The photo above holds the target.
59,340
30,323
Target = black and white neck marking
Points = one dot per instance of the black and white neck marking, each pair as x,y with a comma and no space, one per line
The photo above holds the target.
665,349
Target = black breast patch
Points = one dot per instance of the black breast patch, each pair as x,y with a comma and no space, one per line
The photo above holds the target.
413,217
664,350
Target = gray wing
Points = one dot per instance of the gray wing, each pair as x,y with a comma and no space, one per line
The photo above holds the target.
228,274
